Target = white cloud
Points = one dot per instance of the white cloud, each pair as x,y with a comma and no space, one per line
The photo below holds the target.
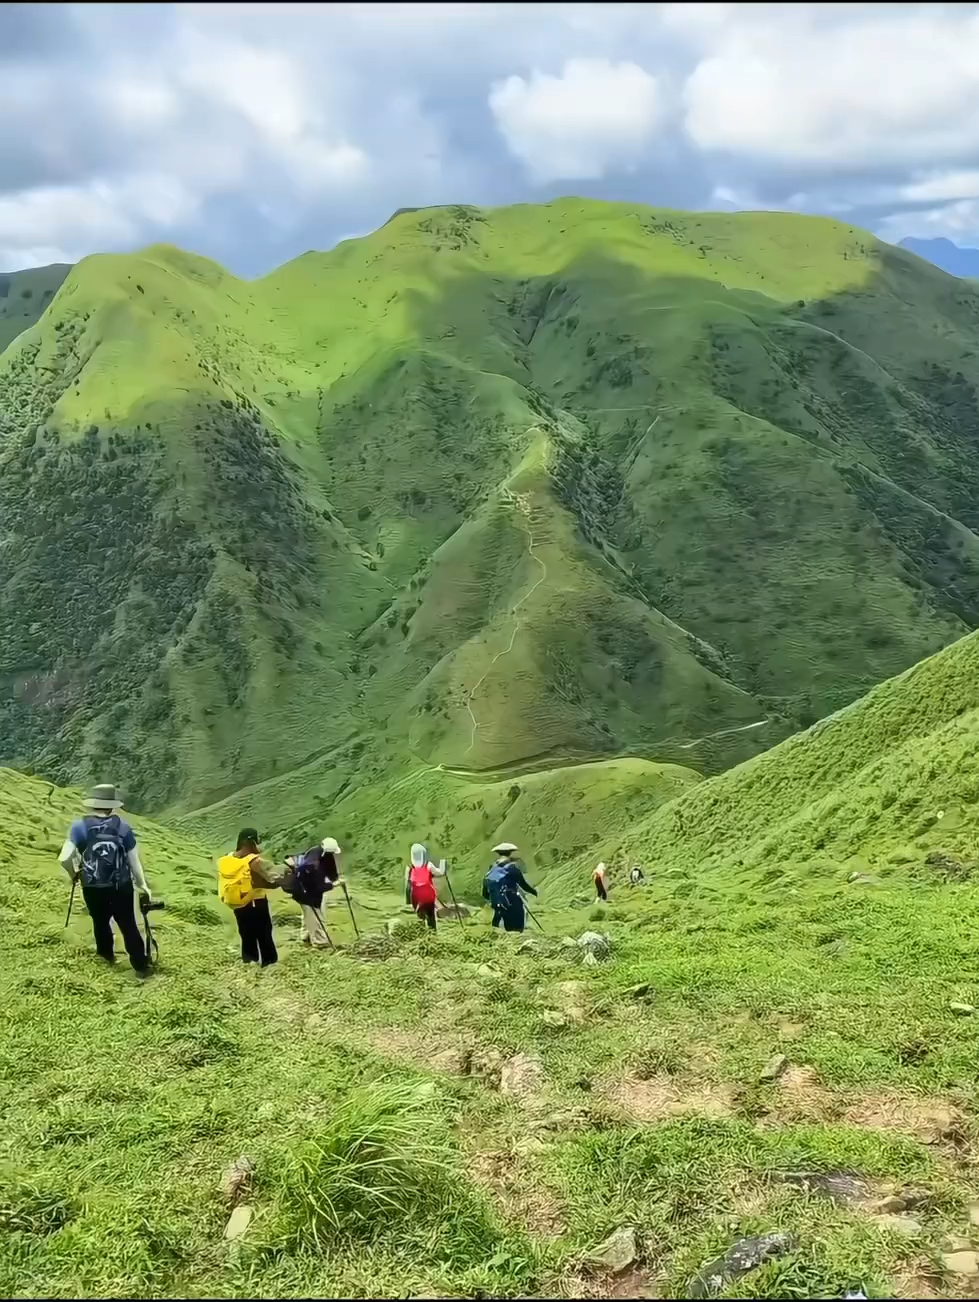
887,88
942,187
594,118
957,221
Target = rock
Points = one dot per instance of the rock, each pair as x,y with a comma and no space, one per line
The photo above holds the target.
490,973
553,1018
566,943
522,1076
486,1065
961,1263
618,1252
741,1257
903,1225
839,1187
454,1062
890,1205
956,1243
595,943
237,1180
452,911
963,1010
774,1068
863,879
238,1223
528,947
590,959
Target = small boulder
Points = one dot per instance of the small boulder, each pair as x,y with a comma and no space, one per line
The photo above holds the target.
906,1226
740,1258
837,1186
961,1263
555,1019
590,959
522,1076
489,973
774,1068
618,1252
863,879
592,942
237,1181
238,1223
530,946
962,1010
453,1062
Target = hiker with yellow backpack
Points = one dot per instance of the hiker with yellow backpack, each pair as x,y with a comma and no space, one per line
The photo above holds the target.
244,880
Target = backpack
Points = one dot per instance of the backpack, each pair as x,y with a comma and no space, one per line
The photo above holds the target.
496,884
105,861
422,886
235,881
309,876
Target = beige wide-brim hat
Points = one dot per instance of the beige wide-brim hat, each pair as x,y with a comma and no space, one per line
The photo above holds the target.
505,847
329,846
104,796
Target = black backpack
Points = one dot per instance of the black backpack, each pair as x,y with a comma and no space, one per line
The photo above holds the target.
105,861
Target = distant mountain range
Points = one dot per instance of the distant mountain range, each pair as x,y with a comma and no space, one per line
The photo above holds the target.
943,253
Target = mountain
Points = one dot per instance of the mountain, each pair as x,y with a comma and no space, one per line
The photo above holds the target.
943,253
24,295
486,491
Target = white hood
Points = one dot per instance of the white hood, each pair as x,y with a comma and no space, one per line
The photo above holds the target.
419,855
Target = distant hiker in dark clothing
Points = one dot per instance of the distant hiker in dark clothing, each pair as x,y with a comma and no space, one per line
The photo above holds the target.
502,886
312,874
100,852
601,882
636,877
244,880
420,890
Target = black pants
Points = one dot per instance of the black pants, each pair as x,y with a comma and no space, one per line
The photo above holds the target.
600,890
106,905
427,912
255,929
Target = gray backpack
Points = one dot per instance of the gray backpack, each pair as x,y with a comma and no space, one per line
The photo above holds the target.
105,862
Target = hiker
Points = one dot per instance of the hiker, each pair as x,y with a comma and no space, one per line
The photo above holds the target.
636,877
420,890
502,886
312,874
100,852
244,880
601,884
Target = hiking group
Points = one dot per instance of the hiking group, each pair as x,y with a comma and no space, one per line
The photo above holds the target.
100,852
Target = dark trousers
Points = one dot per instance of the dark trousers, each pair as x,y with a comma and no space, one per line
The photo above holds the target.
107,905
510,914
255,929
600,890
427,913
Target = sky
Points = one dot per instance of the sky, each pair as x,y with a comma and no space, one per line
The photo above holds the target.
251,133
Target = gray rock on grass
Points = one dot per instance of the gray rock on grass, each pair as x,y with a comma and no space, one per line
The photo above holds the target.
618,1252
740,1258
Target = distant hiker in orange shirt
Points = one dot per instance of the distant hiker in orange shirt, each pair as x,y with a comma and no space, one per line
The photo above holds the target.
601,883
420,890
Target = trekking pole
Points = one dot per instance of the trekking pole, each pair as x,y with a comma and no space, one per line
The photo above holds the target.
351,908
320,920
531,917
152,948
452,896
71,900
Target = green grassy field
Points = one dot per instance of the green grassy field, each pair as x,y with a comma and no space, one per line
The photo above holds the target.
472,1114
496,490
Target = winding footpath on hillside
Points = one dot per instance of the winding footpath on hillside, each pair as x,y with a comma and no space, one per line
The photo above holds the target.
522,503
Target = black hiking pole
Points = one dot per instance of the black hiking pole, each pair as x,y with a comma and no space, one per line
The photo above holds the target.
455,902
320,920
351,908
146,906
71,900
531,917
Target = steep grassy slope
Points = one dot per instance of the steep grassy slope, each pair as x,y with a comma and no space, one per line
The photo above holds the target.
886,782
482,490
24,295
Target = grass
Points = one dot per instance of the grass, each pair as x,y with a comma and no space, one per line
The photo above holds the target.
529,485
24,296
370,1086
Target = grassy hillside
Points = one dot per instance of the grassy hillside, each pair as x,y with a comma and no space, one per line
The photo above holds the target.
24,295
491,490
471,1115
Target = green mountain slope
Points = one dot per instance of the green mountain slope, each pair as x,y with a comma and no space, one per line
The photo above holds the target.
484,489
24,295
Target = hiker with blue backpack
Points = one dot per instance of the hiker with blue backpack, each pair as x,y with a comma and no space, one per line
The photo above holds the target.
502,886
311,875
100,853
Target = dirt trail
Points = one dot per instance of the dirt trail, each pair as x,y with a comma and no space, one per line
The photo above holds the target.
522,502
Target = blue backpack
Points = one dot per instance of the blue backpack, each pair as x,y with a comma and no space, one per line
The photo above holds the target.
497,885
105,861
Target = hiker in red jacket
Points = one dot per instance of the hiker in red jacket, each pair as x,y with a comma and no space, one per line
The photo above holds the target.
420,890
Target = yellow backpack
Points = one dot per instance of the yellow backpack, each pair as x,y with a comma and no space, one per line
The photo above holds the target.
235,881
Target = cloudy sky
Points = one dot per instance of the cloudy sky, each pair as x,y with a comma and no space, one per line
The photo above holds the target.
254,132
